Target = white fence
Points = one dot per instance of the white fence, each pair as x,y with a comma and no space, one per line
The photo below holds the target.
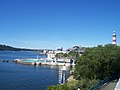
117,87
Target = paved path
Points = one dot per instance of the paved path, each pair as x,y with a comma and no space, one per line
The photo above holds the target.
109,86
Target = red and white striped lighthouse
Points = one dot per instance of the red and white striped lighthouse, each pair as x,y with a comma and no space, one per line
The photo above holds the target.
114,38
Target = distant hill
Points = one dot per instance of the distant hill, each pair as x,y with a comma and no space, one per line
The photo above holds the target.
4,47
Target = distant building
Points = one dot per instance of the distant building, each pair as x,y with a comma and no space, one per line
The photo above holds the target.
52,53
60,49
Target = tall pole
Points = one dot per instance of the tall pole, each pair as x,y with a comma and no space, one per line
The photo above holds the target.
37,56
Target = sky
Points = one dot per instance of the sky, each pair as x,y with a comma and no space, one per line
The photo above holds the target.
49,24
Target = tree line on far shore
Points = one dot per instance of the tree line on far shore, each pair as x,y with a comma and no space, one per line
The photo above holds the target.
5,47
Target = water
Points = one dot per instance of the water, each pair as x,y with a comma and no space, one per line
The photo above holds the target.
26,77
11,55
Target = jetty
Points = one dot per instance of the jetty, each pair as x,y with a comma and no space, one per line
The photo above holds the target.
51,59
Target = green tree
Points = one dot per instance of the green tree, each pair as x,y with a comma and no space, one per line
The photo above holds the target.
73,55
98,62
95,64
59,55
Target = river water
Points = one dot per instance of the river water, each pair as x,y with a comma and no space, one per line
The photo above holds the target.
26,77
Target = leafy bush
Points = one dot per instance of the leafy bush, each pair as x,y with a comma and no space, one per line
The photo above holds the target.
68,86
98,63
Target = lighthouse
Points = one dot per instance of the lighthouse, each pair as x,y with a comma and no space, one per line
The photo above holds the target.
114,38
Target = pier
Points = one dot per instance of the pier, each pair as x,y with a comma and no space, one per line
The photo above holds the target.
62,79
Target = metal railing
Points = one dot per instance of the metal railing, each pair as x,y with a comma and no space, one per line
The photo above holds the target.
101,83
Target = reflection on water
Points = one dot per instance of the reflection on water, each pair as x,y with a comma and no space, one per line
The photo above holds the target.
20,77
11,55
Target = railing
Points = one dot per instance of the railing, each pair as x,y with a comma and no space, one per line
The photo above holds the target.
104,82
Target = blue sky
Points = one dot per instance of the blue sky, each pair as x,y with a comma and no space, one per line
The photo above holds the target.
58,23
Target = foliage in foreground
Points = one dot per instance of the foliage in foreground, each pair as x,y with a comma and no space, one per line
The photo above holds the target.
83,84
68,86
95,64
98,63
